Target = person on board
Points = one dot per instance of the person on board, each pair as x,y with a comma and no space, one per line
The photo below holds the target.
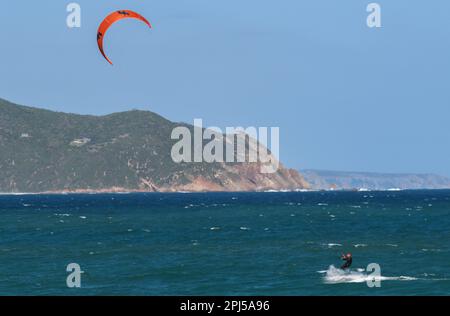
348,261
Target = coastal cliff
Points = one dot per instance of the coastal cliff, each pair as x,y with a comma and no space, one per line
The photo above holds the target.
46,151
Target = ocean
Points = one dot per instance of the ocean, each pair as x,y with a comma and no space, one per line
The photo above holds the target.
274,243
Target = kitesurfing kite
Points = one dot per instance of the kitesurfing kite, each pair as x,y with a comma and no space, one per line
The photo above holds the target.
110,20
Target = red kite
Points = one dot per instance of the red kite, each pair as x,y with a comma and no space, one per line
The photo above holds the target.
110,20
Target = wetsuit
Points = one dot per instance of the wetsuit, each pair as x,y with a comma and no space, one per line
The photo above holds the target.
347,264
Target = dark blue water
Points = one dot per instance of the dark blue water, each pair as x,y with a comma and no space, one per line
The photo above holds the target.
226,243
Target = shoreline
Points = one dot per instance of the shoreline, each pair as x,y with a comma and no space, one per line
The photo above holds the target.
94,192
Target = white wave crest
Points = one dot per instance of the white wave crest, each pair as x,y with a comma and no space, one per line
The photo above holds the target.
334,275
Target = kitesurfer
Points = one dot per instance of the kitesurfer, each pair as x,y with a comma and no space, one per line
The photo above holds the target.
348,261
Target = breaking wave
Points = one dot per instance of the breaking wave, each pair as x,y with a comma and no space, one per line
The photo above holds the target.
334,275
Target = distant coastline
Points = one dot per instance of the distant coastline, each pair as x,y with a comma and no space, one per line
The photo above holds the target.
130,152
94,192
346,180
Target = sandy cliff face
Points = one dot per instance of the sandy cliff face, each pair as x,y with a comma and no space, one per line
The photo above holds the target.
243,177
235,179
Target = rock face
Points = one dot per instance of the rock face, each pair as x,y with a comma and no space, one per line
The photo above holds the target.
45,151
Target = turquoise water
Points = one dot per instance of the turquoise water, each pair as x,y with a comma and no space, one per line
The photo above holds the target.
226,243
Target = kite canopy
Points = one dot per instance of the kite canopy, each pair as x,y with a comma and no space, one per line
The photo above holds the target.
110,20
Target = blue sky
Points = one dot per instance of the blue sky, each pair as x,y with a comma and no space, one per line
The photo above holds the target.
345,97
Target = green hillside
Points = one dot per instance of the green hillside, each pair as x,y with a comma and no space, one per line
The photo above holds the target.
41,150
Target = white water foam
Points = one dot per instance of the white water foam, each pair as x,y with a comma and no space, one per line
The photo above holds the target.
331,245
334,276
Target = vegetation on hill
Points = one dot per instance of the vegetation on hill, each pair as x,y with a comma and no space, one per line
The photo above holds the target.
43,151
